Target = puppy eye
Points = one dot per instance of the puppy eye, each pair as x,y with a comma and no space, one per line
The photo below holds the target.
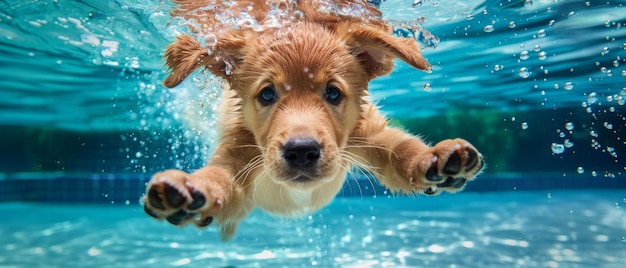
333,95
267,96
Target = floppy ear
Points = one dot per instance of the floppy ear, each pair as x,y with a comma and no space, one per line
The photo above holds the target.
185,55
376,49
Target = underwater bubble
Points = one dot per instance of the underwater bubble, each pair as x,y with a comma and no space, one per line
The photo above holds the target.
528,3
608,125
594,173
523,72
616,63
512,24
562,135
592,98
605,50
541,33
489,28
568,144
557,148
298,15
593,133
603,69
427,87
551,22
417,3
210,40
580,170
524,125
536,48
542,55
523,55
569,125
497,67
568,85
609,98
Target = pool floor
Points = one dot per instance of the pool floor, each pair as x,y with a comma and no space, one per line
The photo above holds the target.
500,229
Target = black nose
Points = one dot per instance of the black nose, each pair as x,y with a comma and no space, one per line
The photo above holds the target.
301,152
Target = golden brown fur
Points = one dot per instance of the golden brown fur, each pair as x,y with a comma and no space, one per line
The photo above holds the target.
285,142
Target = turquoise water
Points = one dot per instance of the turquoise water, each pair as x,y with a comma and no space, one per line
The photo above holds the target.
104,57
538,86
523,229
545,79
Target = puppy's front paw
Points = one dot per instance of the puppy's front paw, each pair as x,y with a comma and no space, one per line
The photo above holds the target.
447,166
181,198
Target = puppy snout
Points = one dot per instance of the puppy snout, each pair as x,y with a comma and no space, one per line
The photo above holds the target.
301,152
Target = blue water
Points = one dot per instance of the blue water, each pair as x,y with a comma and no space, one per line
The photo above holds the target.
103,58
512,229
538,86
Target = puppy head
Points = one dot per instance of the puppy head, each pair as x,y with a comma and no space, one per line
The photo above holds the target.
301,89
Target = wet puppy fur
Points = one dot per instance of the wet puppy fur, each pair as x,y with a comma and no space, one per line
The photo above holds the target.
295,117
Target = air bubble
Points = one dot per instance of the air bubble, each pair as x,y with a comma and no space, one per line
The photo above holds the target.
592,98
489,28
210,40
536,48
512,24
541,33
523,55
605,50
557,148
524,125
528,3
568,85
427,87
542,55
569,126
580,170
608,125
568,144
497,67
523,72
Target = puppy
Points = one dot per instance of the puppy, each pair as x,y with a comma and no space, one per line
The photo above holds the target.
296,116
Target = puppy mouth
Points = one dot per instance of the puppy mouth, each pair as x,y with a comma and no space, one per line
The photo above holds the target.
300,176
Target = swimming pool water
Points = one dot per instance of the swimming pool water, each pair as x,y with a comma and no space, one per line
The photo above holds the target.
502,229
538,86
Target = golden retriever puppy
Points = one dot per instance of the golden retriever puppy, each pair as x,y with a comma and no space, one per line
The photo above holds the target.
296,115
